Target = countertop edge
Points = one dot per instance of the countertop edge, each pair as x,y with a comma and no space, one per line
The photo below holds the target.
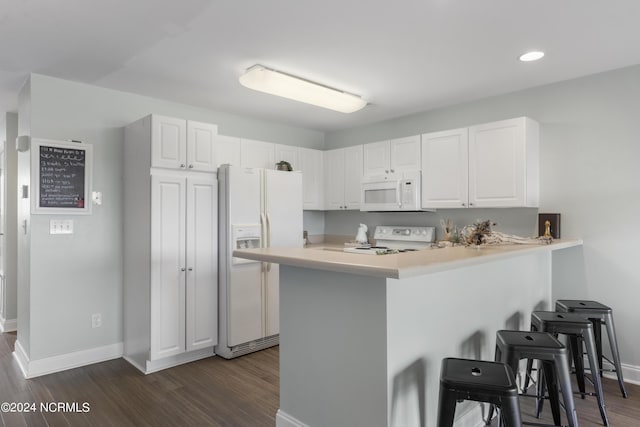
467,262
348,263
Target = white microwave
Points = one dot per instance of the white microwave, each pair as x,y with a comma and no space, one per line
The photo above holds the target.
391,192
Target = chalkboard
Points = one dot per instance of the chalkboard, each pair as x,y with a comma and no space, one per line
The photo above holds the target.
62,176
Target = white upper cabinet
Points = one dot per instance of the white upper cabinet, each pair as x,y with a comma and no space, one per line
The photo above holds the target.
182,144
377,158
445,170
169,142
405,154
227,150
353,163
257,154
334,179
396,155
496,166
343,176
200,146
311,164
504,163
288,153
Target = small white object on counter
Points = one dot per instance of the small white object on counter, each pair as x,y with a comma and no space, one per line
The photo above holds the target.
361,236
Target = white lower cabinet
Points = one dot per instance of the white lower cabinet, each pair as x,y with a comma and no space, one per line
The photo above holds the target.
183,287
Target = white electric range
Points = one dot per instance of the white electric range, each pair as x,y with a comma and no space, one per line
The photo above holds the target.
392,239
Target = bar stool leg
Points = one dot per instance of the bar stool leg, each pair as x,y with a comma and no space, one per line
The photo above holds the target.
446,407
552,388
540,386
564,379
527,374
575,345
590,344
497,357
597,333
611,332
511,412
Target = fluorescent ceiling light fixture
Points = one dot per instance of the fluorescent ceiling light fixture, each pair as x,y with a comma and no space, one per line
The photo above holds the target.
278,83
531,56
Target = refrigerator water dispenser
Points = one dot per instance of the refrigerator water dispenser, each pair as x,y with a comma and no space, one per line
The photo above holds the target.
246,237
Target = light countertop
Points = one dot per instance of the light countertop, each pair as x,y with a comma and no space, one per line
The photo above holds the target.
396,266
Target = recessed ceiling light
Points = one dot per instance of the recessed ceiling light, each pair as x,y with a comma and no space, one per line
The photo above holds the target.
534,55
282,84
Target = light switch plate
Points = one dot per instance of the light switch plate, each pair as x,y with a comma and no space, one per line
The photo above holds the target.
96,197
61,226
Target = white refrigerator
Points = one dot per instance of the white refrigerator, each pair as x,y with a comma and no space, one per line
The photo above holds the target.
257,208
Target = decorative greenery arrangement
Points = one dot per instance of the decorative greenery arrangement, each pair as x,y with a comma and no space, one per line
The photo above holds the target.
479,232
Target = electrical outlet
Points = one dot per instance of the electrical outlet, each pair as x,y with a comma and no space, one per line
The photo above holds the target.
96,320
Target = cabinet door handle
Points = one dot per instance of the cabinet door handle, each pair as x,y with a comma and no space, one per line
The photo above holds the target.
182,269
182,165
470,204
190,269
392,171
190,166
464,204
386,171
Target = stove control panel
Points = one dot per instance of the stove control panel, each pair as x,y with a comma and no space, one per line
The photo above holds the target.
405,233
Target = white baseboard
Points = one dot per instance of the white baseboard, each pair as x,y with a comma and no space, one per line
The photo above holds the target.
8,325
49,365
152,366
285,420
630,373
472,418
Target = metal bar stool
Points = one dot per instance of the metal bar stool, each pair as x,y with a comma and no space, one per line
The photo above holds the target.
578,328
599,314
481,381
511,346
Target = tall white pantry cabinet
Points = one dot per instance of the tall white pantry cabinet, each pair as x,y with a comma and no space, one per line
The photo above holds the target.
170,235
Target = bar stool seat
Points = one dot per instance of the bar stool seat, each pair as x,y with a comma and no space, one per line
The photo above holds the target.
511,346
579,329
599,314
481,381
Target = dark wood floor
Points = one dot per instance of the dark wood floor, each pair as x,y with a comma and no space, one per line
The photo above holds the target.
211,392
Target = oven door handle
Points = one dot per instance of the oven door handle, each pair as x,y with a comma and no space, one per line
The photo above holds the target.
398,193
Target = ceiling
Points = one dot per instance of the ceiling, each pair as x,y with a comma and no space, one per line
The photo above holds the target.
402,56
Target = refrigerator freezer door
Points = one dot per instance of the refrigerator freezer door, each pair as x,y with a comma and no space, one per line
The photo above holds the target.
244,287
245,304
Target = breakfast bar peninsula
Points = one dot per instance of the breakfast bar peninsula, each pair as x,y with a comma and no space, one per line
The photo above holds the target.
362,337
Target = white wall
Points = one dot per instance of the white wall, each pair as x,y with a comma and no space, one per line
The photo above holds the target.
72,277
590,146
10,229
23,226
